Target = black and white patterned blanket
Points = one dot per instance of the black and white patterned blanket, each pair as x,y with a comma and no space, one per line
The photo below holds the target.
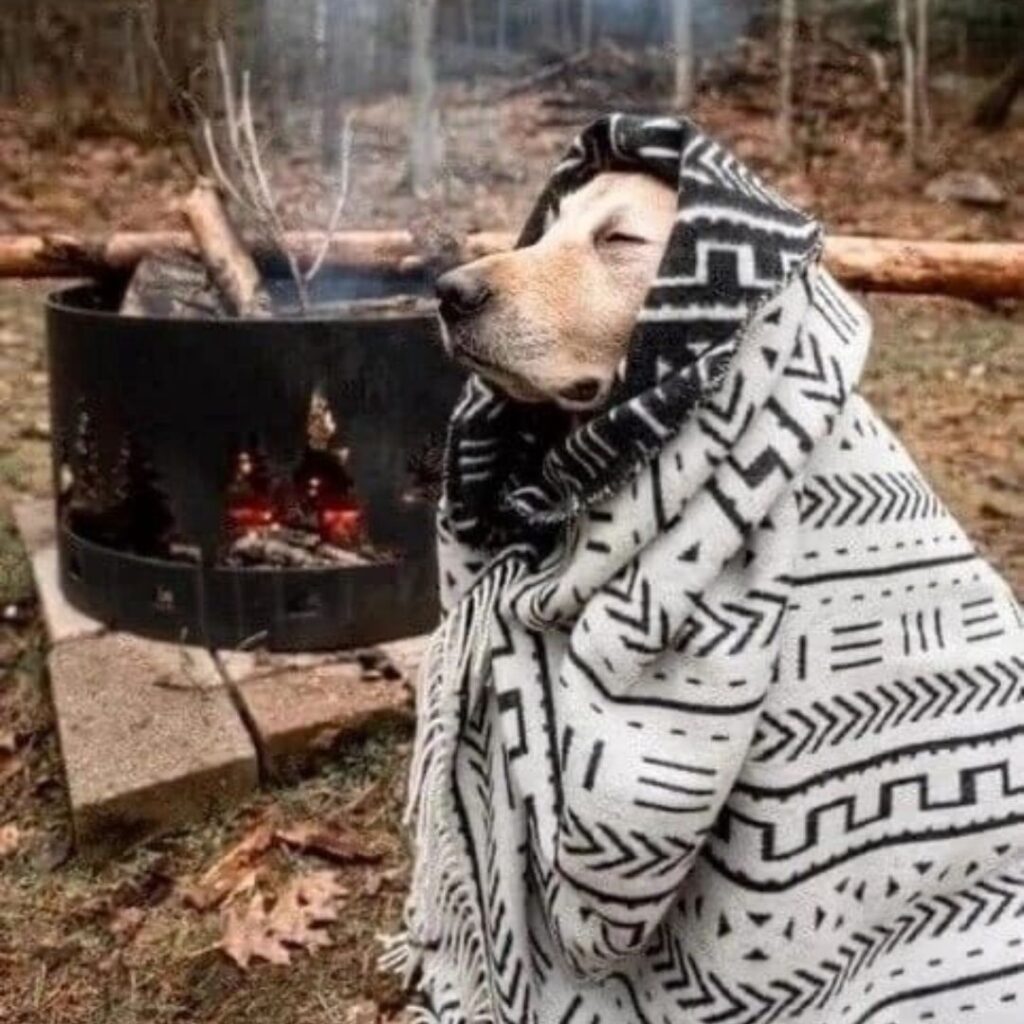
725,720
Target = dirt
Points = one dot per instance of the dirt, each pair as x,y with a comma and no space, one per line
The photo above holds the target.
119,943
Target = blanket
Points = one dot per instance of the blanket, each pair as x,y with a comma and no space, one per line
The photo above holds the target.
725,718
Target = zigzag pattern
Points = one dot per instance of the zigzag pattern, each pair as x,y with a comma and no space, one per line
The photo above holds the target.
857,499
702,995
787,734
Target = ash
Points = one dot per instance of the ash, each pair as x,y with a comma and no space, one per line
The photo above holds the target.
284,547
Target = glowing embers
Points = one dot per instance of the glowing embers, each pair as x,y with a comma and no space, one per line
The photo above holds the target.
307,518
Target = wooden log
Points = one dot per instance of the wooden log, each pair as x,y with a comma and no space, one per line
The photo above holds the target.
228,260
980,271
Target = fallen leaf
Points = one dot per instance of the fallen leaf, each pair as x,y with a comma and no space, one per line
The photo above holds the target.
365,1011
230,873
331,841
10,765
10,839
296,920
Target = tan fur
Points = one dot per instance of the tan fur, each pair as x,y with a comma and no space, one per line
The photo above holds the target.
562,311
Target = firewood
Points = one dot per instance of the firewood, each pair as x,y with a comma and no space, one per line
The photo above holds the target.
229,262
980,271
173,284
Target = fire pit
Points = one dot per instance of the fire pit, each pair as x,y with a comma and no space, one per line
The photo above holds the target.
239,483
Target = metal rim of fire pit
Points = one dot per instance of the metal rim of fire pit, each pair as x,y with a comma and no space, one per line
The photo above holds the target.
217,605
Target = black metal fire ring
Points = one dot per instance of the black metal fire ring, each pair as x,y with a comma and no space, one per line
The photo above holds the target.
148,421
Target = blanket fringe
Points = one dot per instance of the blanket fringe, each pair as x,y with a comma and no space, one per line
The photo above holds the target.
442,947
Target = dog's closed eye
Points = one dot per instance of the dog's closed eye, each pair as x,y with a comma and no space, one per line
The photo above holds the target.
621,238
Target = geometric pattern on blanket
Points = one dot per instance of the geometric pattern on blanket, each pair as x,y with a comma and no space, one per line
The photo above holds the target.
742,741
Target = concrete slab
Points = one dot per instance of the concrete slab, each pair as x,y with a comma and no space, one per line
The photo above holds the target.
38,530
150,737
301,707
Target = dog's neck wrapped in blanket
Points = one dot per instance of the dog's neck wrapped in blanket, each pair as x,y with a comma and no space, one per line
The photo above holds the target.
716,725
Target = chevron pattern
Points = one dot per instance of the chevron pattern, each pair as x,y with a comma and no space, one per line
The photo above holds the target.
788,734
867,500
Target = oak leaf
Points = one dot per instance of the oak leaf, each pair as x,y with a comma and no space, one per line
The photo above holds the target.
297,919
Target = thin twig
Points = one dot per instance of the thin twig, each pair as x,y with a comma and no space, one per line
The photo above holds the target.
228,90
217,166
339,207
263,195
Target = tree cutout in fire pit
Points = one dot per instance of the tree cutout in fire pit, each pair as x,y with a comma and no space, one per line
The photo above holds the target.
126,509
312,517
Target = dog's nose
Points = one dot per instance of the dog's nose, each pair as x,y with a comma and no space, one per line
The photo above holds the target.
462,293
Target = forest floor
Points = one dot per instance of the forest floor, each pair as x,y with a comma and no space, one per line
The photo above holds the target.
118,943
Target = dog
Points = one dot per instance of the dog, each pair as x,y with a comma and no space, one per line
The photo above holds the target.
551,322
722,720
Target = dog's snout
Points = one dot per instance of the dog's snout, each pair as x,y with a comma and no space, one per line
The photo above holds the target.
462,293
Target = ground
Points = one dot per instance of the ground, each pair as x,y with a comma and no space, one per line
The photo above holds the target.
118,942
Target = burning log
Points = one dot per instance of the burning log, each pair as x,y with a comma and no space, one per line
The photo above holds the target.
980,271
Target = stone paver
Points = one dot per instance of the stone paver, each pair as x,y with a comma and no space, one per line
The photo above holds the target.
149,736
35,522
300,707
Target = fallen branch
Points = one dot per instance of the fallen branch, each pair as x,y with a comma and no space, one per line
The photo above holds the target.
981,271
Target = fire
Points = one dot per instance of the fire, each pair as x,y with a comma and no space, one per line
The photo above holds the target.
251,515
341,524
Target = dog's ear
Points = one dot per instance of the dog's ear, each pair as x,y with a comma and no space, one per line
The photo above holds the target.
550,216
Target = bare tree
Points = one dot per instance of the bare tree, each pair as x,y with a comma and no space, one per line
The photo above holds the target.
587,25
994,108
425,142
909,79
469,22
501,27
923,99
787,55
330,123
685,69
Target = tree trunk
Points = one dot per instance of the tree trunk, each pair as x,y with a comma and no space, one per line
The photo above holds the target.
909,80
924,105
685,70
787,55
501,28
587,25
982,271
330,122
469,22
568,29
993,110
425,142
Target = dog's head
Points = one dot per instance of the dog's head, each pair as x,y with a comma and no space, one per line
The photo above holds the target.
550,322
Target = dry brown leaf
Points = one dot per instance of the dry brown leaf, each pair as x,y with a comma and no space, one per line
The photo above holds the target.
331,841
10,839
231,872
10,765
296,920
365,1011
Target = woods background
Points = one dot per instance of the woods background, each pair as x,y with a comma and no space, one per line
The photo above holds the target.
73,70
